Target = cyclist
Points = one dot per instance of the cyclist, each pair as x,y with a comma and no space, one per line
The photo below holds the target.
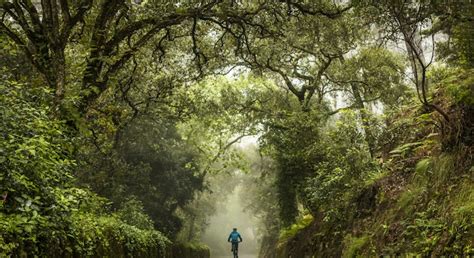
234,237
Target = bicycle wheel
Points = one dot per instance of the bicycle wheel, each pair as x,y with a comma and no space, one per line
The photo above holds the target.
234,247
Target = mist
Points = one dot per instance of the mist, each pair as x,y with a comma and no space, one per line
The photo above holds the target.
231,214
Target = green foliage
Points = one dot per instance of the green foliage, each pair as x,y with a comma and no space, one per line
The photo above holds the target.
422,166
424,196
133,213
291,140
291,231
433,207
81,231
457,24
377,73
458,83
105,235
345,166
35,168
34,156
353,246
427,232
125,99
42,213
406,201
150,163
196,246
405,149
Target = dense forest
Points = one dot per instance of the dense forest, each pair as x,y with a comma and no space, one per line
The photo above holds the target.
124,123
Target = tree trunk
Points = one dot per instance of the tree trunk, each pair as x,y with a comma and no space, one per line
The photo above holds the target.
191,228
59,69
369,137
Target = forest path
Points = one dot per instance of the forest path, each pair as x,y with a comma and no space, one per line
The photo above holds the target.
240,256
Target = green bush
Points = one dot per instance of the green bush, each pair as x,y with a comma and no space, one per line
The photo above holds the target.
133,213
41,212
344,168
109,236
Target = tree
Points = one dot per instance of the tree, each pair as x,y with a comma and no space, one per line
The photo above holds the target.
303,53
409,18
112,31
150,163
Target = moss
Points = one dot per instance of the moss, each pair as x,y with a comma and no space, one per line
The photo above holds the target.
293,230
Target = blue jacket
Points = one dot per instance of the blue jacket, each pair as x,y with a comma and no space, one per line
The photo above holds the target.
234,237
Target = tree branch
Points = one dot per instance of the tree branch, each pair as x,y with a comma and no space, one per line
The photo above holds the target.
305,9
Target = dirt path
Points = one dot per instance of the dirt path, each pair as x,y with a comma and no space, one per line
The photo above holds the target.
240,256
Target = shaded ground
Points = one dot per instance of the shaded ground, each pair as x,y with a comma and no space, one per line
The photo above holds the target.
240,256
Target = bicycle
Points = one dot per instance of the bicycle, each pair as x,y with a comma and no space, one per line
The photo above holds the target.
235,249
